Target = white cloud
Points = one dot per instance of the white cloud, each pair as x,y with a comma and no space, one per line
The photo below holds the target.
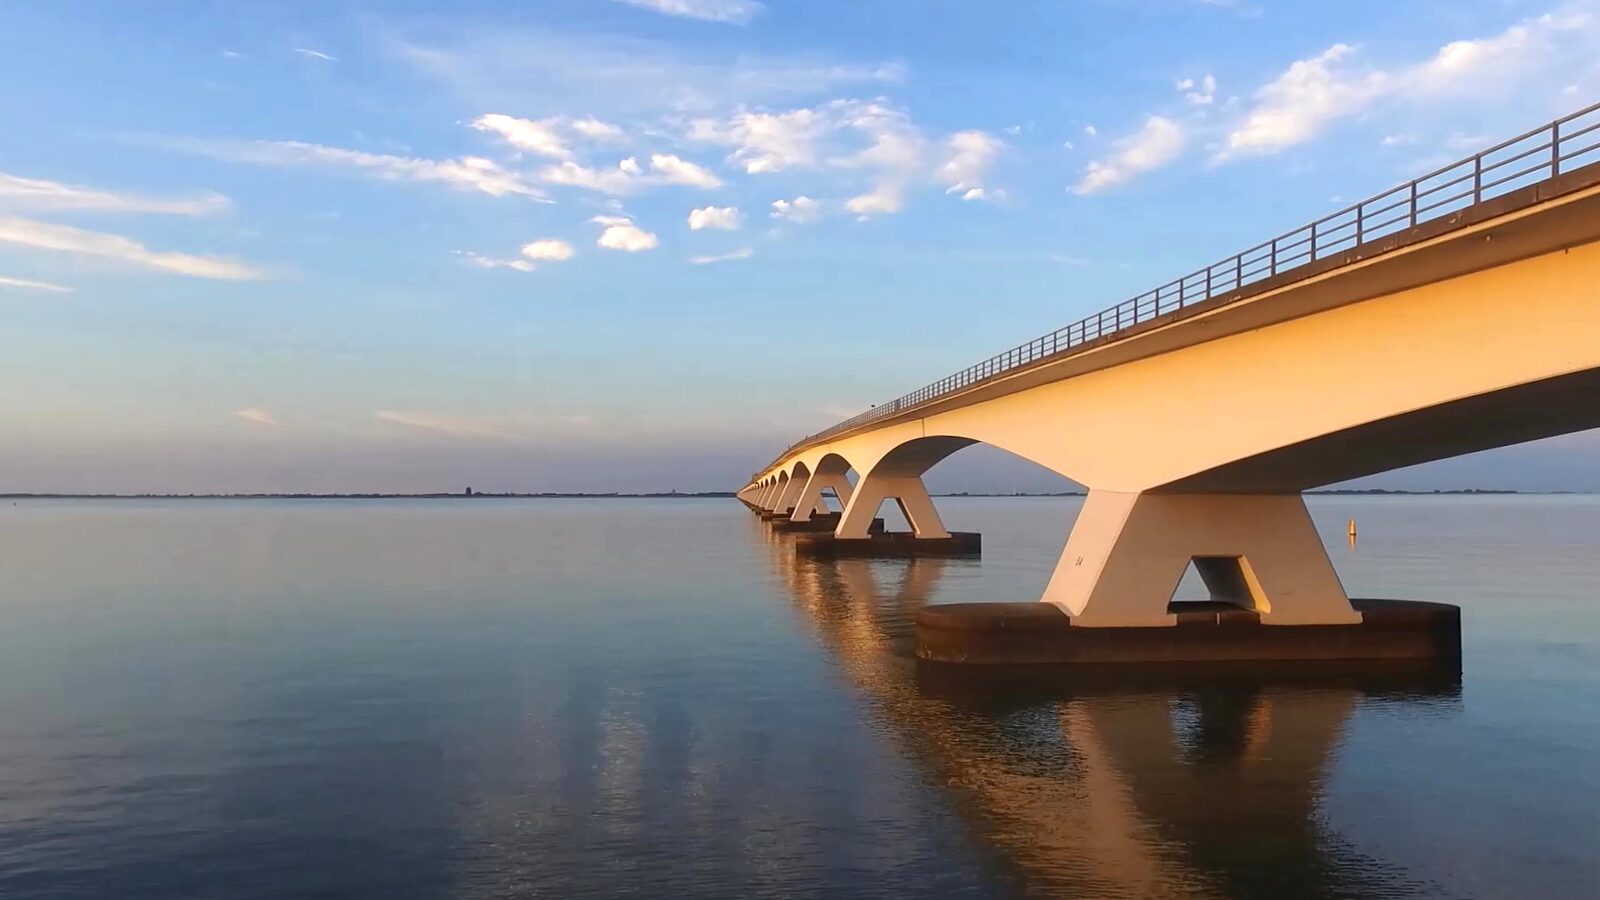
548,249
971,155
315,54
673,170
596,130
489,262
1313,93
1459,63
1157,143
232,54
257,415
1090,130
736,12
466,173
766,142
725,218
801,210
1201,93
621,234
741,253
36,193
882,200
1296,105
1065,260
620,180
25,284
63,238
525,134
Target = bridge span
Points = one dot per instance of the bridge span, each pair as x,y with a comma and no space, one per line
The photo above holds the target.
1455,313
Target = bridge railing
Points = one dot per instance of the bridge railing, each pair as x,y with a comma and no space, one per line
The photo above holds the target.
1543,153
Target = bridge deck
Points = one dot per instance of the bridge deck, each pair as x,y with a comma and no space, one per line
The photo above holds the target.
1421,221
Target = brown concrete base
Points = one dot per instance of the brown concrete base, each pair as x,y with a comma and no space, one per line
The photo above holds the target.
1040,633
819,524
768,515
893,544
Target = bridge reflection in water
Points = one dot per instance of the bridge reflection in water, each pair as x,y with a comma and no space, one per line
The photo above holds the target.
1163,787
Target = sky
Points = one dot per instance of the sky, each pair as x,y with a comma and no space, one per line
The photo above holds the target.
642,245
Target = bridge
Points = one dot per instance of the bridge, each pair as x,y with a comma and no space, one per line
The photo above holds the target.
1454,313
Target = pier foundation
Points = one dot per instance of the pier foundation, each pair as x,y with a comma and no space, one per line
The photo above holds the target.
1203,632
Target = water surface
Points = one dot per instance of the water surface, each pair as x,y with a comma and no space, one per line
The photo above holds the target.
545,698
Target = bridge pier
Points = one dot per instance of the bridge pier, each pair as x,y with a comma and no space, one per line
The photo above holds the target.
769,497
812,502
1260,552
860,532
907,491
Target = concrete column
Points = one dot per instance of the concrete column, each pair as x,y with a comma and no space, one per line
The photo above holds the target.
789,494
1128,551
764,499
907,490
812,502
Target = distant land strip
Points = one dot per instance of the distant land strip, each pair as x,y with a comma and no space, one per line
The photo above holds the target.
664,495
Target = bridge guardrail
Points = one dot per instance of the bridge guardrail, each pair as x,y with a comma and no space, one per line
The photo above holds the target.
1528,158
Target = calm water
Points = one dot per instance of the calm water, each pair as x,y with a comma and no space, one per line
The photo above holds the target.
604,698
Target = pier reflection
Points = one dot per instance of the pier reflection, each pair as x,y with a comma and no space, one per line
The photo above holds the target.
1144,784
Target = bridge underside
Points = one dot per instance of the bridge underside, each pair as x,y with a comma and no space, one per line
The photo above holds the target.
1515,415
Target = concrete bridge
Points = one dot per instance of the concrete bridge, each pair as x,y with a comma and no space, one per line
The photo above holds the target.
1455,313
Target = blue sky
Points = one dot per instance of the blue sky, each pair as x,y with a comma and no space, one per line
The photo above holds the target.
642,244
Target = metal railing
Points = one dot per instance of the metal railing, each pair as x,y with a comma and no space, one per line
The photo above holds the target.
1526,159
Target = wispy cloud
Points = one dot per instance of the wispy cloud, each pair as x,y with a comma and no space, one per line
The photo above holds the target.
489,262
498,426
257,415
315,54
628,177
1202,92
736,12
1154,145
970,155
871,137
525,134
596,130
465,173
546,250
17,192
623,77
25,284
63,238
741,253
460,426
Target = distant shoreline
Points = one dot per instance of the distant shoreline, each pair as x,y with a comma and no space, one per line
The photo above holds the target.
678,495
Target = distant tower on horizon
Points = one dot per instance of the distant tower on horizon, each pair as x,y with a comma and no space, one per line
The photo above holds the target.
469,492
